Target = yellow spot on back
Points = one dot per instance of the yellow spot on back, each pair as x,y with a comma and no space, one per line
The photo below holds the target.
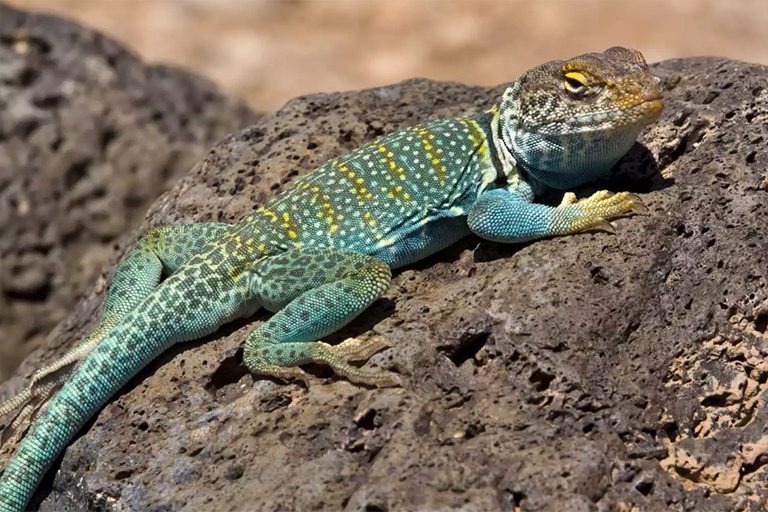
437,168
476,135
389,159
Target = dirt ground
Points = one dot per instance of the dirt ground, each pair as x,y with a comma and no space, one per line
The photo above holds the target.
271,51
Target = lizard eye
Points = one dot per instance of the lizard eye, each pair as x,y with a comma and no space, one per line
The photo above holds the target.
574,82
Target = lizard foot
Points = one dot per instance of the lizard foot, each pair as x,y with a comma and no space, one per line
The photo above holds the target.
353,349
286,373
48,379
593,212
283,360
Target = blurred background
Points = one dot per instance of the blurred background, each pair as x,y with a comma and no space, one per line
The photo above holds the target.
268,51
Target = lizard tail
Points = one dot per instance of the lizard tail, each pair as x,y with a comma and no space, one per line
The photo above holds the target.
100,375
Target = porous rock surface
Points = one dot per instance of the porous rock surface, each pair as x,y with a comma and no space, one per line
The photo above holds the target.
89,137
595,372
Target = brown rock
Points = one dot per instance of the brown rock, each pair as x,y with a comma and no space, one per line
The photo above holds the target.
594,372
89,137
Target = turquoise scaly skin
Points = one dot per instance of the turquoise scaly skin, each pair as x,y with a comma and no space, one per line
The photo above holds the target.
319,253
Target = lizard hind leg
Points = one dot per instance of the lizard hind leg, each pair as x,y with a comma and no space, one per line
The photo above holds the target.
32,407
160,249
316,292
48,379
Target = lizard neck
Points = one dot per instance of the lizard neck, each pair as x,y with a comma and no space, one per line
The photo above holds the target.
507,160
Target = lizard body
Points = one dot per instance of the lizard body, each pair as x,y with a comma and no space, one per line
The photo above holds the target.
322,251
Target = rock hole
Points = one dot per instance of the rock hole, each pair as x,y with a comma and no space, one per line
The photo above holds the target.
681,231
235,472
667,156
107,136
25,126
76,172
751,157
230,371
56,144
670,428
680,119
644,486
761,321
123,474
49,101
366,421
473,430
28,76
469,348
39,293
541,379
712,96
760,461
373,507
716,400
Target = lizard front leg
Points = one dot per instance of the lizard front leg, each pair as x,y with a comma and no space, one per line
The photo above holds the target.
314,293
503,216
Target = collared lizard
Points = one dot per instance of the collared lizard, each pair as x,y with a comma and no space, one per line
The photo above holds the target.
322,251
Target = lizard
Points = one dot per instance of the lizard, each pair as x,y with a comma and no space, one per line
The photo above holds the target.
319,253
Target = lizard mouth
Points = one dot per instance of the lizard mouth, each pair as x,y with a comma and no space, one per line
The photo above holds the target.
644,112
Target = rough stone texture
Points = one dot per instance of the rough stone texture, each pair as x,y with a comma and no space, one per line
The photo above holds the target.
594,372
89,137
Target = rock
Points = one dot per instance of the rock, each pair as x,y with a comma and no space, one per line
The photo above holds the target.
595,372
89,137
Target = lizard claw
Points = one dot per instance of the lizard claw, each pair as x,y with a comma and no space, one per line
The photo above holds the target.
606,225
638,206
304,379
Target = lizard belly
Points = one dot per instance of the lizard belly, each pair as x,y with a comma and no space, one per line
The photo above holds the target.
417,244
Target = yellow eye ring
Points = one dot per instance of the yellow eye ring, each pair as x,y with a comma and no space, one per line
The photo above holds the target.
574,81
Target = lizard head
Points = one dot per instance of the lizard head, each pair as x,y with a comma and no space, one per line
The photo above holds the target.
568,122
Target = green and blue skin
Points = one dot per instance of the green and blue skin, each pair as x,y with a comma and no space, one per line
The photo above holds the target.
318,254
